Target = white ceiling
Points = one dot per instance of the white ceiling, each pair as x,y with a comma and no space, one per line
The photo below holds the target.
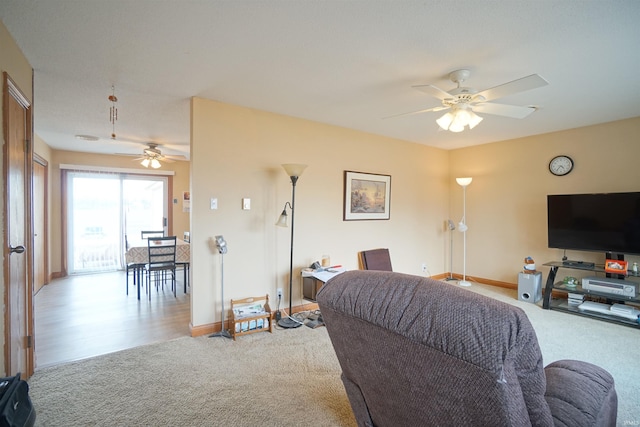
348,63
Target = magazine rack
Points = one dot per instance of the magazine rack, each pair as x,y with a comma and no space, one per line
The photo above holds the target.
250,315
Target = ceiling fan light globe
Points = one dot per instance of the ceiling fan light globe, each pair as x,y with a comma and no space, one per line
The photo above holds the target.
462,117
456,126
145,163
445,121
474,120
155,163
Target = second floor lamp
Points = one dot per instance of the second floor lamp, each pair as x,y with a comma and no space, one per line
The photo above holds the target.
294,171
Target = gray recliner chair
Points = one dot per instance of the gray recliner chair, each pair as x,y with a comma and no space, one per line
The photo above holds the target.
419,352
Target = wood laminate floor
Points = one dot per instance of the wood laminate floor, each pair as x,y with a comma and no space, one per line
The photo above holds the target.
88,315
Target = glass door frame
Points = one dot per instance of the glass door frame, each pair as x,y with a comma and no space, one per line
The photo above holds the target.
66,176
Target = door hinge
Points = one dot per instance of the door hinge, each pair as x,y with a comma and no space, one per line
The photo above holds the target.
29,341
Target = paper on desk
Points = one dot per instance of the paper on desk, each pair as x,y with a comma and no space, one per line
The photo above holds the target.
328,274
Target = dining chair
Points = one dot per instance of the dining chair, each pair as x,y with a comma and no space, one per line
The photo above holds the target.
162,262
185,265
131,267
147,234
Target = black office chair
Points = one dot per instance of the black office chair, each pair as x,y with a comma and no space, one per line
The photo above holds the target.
162,262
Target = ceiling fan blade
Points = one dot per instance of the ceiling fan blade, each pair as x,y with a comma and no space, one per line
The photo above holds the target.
513,111
127,154
428,110
433,91
520,85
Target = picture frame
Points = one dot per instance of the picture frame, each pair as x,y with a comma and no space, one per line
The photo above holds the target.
367,196
615,266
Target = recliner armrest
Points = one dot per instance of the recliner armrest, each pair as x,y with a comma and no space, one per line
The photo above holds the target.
580,394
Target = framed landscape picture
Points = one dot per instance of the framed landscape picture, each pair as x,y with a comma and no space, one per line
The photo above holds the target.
367,196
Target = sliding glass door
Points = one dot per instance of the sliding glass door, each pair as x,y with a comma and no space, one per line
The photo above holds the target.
104,209
144,206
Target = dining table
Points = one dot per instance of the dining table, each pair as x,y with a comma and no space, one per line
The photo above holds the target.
138,253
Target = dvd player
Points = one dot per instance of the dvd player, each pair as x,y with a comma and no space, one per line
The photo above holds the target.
623,288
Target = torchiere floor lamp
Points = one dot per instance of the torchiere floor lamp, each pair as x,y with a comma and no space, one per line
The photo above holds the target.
462,226
294,171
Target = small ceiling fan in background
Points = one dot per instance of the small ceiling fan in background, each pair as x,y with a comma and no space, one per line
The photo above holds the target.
152,156
464,102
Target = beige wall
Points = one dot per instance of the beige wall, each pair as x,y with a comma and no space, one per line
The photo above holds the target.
58,157
237,152
506,202
13,62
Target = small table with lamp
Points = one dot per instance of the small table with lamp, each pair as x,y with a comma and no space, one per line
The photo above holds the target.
312,280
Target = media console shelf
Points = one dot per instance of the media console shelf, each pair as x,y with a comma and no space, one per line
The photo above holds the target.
562,303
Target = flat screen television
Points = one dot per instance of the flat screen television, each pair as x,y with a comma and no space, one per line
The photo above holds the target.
603,222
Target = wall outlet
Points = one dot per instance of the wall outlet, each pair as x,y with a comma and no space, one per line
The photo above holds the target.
279,293
424,267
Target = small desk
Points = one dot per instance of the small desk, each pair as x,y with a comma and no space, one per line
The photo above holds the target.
138,253
312,281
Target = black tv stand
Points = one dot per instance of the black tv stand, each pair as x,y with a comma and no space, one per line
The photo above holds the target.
556,294
578,264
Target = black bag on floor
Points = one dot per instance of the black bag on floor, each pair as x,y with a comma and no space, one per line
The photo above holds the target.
16,409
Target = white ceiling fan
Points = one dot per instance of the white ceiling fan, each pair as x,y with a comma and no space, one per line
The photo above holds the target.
152,156
465,102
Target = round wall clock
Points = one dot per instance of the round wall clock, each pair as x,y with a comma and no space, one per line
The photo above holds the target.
560,165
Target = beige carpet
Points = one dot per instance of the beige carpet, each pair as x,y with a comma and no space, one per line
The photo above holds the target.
288,378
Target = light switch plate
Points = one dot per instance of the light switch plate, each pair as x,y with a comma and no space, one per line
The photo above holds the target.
214,203
246,204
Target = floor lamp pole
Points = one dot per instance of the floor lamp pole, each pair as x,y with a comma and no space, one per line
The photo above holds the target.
451,228
223,330
464,241
289,322
464,182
